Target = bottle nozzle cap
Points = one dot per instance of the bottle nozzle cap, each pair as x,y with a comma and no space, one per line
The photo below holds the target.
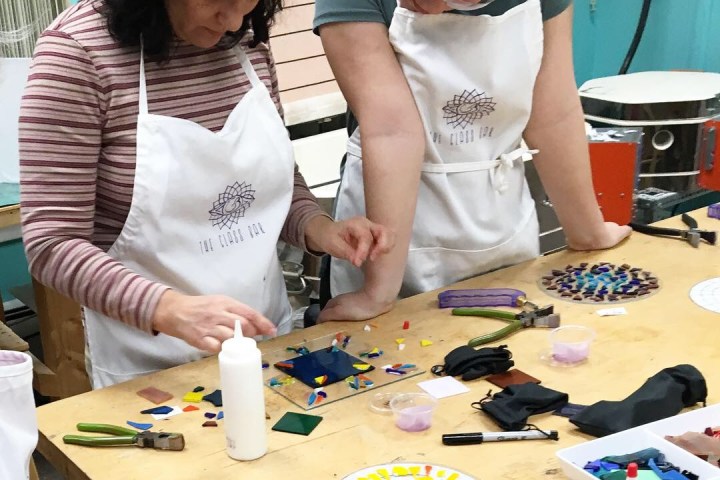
238,329
632,470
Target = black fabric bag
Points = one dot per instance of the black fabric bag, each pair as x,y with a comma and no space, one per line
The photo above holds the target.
663,395
511,407
472,363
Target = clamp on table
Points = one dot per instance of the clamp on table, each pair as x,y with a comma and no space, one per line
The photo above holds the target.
470,303
692,234
125,436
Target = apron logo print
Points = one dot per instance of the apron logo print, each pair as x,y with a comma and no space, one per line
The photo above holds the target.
464,109
230,206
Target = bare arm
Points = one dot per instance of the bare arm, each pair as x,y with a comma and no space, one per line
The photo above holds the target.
556,128
393,146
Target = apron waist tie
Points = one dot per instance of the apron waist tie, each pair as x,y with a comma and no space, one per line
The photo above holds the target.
498,175
498,168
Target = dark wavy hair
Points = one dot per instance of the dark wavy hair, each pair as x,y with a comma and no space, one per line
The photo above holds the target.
128,20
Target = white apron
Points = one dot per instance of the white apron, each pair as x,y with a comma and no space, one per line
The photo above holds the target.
205,218
472,78
18,423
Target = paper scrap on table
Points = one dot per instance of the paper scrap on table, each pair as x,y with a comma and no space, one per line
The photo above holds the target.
443,387
165,416
609,312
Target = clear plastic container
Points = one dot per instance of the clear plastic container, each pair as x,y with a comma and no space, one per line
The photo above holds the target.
569,345
413,411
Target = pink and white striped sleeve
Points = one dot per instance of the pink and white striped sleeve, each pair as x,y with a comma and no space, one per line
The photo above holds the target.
61,121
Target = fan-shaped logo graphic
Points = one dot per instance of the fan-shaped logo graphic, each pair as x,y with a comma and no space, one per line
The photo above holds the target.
464,109
230,206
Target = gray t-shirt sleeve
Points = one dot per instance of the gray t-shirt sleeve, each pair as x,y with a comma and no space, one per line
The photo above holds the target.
380,11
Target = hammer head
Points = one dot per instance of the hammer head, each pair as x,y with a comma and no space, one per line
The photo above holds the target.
161,441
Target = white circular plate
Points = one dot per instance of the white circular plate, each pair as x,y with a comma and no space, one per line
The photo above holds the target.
397,471
707,294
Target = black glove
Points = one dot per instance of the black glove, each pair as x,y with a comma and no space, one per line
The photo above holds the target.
662,395
511,408
472,363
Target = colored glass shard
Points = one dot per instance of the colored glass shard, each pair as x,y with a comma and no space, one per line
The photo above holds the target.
154,395
298,423
198,389
220,415
215,398
190,408
330,366
157,410
193,397
406,325
140,426
210,423
210,415
425,343
363,367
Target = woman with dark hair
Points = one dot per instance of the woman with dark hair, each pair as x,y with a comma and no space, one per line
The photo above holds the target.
157,177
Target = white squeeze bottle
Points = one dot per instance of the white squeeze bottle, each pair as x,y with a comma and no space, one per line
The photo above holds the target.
243,397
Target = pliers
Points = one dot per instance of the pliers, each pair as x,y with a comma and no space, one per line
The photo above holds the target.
692,235
531,316
125,436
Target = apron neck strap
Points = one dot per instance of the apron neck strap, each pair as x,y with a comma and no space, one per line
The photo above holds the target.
247,67
142,100
244,61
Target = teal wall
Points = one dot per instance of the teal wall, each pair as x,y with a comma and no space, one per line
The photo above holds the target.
13,267
680,35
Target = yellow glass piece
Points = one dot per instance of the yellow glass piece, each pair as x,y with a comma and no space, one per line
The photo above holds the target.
384,474
454,476
374,350
373,476
361,366
400,470
441,473
399,340
193,397
415,470
425,343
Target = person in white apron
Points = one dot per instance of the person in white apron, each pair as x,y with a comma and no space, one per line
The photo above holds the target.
472,79
207,206
165,235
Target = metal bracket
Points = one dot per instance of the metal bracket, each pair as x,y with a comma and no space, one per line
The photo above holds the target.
710,140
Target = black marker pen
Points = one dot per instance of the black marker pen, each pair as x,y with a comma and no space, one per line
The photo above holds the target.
480,437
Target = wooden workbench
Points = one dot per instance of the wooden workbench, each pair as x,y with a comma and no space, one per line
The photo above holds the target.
661,331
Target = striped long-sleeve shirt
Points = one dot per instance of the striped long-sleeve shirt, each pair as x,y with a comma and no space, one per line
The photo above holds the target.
77,151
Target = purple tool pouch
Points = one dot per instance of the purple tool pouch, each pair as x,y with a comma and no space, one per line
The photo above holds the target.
481,297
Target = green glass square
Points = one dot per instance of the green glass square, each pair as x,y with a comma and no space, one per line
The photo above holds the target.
299,423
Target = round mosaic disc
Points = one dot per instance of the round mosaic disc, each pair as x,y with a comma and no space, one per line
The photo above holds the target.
707,294
599,283
428,471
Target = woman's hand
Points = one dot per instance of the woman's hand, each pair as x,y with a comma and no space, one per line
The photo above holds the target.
696,443
609,235
354,306
206,321
355,240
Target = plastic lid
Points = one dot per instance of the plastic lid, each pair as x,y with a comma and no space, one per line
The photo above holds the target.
237,344
380,402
